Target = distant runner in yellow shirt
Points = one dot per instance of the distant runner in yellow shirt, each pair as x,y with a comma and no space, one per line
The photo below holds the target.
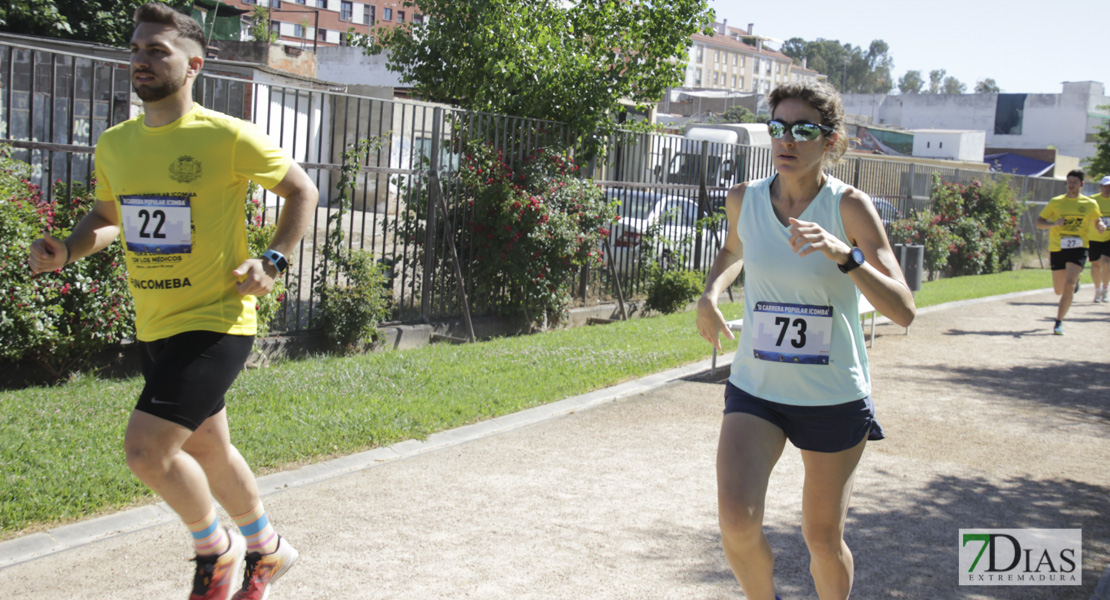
1100,244
1070,219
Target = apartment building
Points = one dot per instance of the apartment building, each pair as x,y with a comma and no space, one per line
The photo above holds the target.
326,22
727,61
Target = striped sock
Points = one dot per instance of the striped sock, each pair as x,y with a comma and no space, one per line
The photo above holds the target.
256,527
208,537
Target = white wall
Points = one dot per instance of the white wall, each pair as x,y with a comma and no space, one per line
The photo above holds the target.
950,145
1062,121
347,64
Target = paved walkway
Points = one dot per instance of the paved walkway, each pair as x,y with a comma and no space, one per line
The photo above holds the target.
992,423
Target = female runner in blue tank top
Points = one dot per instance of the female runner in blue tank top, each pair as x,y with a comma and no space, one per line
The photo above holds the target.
809,244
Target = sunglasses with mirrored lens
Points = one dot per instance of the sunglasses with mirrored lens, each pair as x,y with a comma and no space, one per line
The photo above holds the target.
802,131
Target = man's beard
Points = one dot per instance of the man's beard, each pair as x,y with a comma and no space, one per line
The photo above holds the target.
155,93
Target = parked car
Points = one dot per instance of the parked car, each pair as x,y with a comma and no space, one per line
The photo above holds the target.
674,219
887,211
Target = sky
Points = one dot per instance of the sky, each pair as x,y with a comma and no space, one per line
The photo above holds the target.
1025,46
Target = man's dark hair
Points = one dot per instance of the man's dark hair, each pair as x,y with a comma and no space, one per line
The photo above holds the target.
162,14
1077,173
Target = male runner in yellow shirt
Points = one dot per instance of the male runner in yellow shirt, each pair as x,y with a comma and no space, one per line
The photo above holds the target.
1099,249
1070,218
173,183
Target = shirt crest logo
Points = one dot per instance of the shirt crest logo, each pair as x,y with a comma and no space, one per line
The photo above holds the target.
185,169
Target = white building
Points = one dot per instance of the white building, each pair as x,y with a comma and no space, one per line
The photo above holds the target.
949,144
1067,121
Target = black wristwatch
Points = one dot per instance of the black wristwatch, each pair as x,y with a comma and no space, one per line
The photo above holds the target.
277,259
855,259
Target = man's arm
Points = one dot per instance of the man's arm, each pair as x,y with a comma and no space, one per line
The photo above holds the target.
256,275
93,233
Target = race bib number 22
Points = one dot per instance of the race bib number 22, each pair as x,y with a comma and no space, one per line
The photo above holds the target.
157,224
794,333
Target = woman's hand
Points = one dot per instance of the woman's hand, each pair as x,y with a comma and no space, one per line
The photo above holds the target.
807,238
711,322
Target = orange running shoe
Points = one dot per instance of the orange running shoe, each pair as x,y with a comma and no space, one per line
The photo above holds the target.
265,569
216,573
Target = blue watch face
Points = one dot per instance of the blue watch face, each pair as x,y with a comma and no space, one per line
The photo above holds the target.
857,256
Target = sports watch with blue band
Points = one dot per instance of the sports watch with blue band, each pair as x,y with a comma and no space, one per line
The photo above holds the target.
277,259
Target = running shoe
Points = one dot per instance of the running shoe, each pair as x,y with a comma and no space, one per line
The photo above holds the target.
263,570
1059,329
216,573
1076,287
1104,294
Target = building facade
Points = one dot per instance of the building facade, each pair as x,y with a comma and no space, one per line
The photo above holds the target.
326,22
1067,121
726,61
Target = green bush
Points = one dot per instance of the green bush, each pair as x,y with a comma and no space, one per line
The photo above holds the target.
924,229
671,291
982,222
351,308
355,292
533,224
57,320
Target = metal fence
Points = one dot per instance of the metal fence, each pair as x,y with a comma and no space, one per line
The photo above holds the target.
54,105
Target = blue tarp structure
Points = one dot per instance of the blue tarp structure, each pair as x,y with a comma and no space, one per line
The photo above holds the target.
1016,164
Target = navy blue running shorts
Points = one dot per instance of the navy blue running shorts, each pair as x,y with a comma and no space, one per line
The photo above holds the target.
188,374
817,428
1059,260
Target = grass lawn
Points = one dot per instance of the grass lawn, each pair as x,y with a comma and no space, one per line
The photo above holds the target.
61,447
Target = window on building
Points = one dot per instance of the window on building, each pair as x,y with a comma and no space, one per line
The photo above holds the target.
250,1
346,10
700,51
733,81
387,14
368,14
767,63
275,4
321,3
322,34
400,16
697,79
778,68
735,59
298,30
716,56
715,78
418,19
766,87
741,86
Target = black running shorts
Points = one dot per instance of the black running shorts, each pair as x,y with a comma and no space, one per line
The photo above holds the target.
1059,260
188,374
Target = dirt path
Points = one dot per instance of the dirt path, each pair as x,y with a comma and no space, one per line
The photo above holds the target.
991,422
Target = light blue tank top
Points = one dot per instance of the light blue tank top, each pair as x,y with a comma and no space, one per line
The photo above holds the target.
802,341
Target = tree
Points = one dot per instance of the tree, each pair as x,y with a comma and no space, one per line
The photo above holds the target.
1099,164
936,79
953,86
568,62
987,86
911,82
737,114
849,68
260,26
102,21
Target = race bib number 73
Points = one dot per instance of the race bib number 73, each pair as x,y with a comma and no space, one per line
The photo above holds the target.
157,224
794,333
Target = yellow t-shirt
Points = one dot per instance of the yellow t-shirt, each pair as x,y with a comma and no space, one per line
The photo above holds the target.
1104,208
180,193
1079,221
